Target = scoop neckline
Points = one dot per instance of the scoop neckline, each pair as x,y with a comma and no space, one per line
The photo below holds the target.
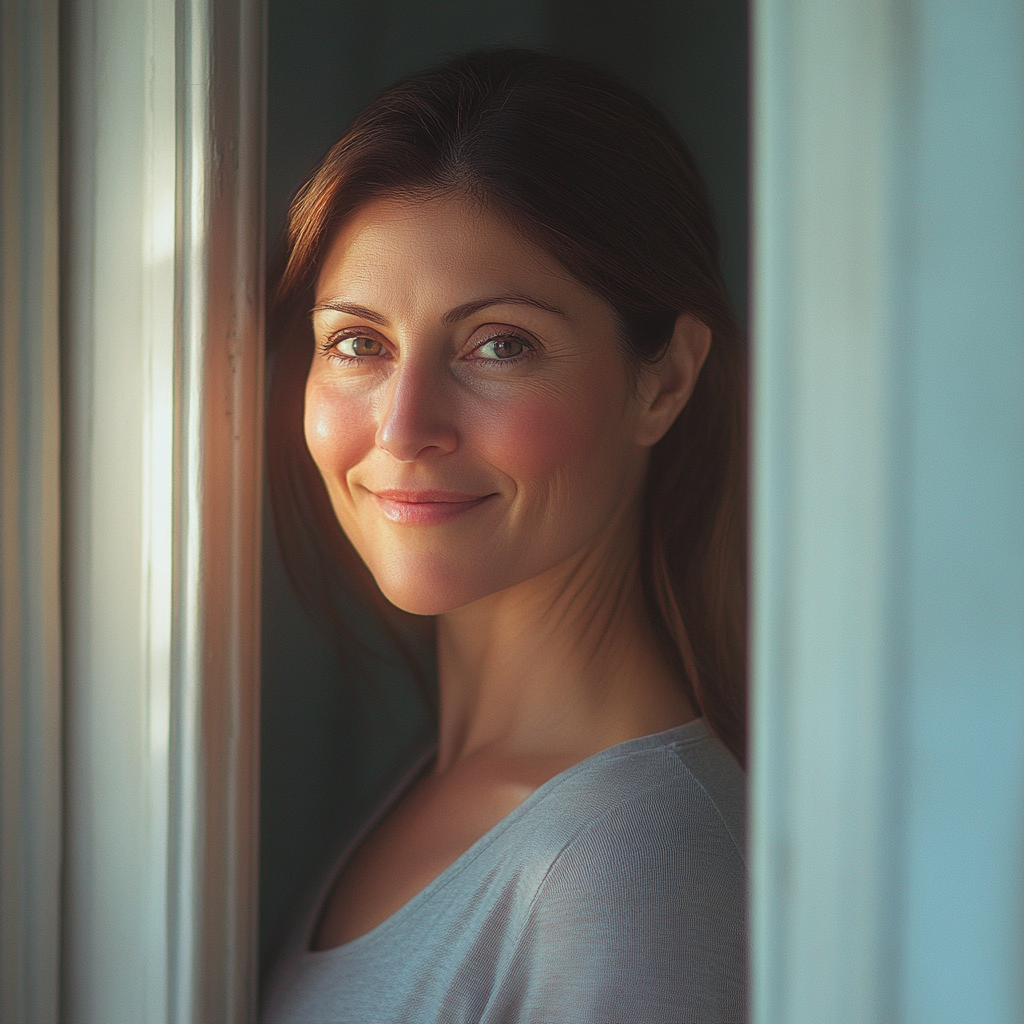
667,737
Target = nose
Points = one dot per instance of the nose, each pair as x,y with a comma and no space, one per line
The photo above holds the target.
415,417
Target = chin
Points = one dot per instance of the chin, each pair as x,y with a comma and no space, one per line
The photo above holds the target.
423,601
421,590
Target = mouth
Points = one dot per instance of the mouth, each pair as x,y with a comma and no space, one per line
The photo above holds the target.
422,508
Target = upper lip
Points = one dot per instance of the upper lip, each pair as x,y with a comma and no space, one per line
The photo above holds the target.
424,497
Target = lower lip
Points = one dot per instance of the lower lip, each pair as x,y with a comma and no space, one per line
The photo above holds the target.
425,513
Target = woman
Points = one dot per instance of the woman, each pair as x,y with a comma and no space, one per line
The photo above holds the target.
517,405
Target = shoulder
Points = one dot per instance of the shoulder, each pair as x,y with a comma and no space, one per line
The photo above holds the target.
679,794
641,914
669,813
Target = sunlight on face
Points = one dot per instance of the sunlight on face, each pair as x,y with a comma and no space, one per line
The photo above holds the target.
468,404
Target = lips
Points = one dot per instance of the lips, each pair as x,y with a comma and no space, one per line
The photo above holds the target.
422,508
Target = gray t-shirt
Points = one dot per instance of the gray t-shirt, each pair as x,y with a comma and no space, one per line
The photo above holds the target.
615,893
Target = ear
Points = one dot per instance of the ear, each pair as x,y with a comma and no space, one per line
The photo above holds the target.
665,386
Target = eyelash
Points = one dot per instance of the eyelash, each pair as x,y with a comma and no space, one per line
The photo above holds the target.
329,348
529,348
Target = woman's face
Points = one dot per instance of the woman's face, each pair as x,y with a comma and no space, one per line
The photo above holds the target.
468,404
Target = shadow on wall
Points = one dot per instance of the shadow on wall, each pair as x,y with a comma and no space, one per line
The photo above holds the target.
326,755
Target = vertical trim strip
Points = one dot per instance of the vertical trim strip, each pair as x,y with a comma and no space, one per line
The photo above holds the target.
219,459
30,627
826,383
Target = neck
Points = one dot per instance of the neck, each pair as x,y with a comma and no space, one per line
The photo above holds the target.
558,667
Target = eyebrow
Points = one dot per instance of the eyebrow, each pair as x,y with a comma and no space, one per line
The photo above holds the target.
453,316
340,306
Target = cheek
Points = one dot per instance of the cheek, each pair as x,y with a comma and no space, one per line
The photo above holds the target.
338,430
544,437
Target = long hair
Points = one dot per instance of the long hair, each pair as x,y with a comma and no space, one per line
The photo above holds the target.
589,170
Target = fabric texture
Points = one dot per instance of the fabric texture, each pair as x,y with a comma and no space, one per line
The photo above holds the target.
615,894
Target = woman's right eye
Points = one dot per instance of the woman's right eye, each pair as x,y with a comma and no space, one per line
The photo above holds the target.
356,346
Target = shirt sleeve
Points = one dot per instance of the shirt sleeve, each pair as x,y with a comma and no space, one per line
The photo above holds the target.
641,918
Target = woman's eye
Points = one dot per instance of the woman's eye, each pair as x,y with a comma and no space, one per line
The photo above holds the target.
356,347
503,347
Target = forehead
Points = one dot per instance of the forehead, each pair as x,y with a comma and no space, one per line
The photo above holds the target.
415,248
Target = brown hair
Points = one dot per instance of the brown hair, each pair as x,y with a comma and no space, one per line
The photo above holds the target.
592,172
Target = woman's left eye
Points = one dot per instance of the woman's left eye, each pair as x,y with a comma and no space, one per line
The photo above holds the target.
502,348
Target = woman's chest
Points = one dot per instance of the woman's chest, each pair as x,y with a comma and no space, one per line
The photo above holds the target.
437,959
435,822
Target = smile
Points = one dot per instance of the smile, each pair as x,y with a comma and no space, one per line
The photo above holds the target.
422,508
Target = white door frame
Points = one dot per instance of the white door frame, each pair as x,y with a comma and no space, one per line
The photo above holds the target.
162,344
887,812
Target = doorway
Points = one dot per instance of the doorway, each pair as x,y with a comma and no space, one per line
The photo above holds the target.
334,729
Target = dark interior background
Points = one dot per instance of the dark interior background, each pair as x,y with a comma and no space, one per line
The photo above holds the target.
326,753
